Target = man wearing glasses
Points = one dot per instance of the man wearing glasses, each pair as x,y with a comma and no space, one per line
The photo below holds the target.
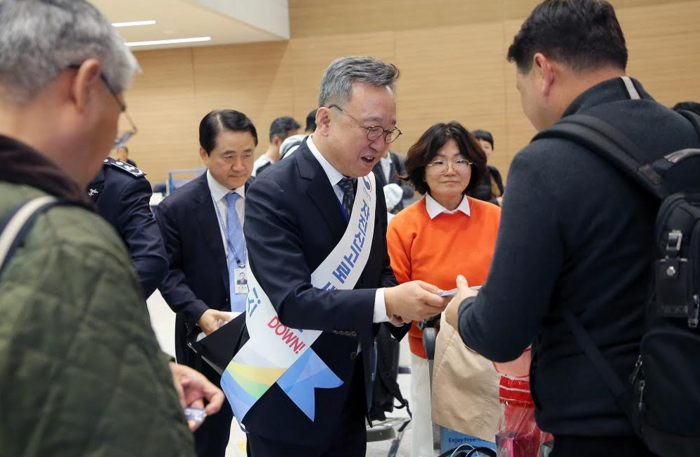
297,215
81,371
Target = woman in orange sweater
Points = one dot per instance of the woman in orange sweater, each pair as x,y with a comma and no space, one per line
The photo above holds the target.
439,237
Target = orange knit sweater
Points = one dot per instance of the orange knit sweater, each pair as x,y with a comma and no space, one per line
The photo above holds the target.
437,250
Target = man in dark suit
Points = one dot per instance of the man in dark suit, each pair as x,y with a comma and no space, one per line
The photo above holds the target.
122,195
202,228
388,170
296,214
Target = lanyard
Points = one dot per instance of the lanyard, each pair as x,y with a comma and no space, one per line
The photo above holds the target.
231,247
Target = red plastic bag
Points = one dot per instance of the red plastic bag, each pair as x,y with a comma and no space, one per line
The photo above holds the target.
518,434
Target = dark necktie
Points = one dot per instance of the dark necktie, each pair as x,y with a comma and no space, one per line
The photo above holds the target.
347,185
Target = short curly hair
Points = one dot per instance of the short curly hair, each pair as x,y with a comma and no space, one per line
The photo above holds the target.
425,149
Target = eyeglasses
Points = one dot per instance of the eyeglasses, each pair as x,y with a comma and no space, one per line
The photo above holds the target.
375,131
459,166
125,136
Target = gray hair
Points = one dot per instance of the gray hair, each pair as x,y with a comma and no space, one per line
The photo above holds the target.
336,85
41,38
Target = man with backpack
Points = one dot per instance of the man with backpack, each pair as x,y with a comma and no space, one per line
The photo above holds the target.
572,270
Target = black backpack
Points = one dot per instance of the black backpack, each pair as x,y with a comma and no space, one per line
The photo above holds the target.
661,398
385,388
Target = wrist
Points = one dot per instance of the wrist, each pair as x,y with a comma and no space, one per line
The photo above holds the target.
388,303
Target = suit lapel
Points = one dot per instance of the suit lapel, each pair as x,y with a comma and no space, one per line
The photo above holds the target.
320,191
205,214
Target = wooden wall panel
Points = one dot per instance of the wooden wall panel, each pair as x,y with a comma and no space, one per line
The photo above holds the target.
162,104
255,79
454,73
664,47
311,56
451,54
311,18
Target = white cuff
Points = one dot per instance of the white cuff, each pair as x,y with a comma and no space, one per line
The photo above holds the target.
379,308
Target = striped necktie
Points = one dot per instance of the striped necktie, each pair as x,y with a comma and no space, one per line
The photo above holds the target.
347,185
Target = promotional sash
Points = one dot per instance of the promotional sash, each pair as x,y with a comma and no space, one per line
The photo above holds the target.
279,354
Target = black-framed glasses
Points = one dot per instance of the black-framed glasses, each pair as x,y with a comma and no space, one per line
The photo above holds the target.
441,166
375,131
123,137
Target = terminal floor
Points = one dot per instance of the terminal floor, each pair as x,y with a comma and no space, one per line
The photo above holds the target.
163,320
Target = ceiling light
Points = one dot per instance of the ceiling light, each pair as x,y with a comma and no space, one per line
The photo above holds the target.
174,41
132,24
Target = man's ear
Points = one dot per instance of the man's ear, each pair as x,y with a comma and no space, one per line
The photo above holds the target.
86,83
277,141
323,121
204,156
545,72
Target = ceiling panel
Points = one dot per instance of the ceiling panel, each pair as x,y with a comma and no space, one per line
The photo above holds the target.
181,19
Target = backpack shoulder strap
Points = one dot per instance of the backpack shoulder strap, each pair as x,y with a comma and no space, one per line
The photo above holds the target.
15,226
613,146
693,118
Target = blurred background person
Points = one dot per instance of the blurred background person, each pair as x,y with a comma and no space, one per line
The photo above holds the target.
123,155
290,145
490,188
444,234
387,171
280,129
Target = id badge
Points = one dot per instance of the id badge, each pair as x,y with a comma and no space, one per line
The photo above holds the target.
241,281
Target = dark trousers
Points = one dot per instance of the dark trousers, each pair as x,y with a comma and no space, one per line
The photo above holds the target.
349,439
587,446
211,438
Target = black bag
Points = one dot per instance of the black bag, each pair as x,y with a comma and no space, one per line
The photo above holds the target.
662,395
385,387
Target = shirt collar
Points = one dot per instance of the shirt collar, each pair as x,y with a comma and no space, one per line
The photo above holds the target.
334,176
218,192
435,209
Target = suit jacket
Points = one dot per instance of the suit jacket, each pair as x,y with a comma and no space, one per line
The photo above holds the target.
122,195
397,168
198,278
293,221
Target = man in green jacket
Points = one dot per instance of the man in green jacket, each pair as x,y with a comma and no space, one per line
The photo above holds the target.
81,372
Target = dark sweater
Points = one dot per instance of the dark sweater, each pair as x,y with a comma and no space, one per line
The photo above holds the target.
575,234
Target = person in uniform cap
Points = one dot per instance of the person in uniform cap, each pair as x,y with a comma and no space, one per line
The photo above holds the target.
122,195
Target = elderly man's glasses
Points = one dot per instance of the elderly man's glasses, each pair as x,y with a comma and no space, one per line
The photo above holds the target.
124,136
441,166
375,131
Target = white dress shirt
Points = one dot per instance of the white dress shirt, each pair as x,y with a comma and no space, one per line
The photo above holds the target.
386,167
435,209
261,162
218,195
334,176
